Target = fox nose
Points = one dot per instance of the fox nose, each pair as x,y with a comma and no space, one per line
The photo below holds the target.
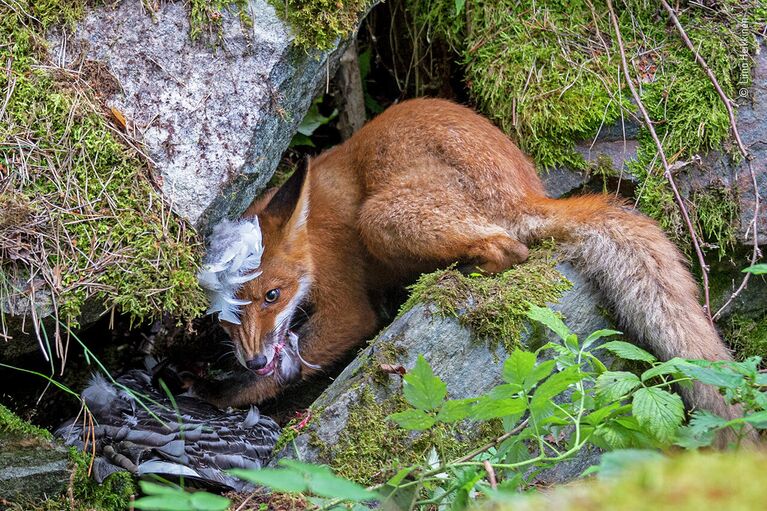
257,362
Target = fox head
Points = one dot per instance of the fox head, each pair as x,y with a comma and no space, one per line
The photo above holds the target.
257,272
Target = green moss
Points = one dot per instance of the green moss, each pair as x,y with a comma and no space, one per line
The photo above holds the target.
113,495
548,73
371,449
319,24
498,304
205,16
692,481
747,336
96,227
717,212
11,423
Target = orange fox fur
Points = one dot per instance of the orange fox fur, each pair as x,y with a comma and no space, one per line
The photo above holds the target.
425,184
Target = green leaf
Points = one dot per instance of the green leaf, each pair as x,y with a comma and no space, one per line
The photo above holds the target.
283,480
151,488
518,366
413,419
539,372
165,502
616,462
553,386
455,410
628,351
712,375
488,408
758,419
459,6
757,269
422,389
667,367
606,332
400,476
547,317
659,411
615,384
329,485
203,501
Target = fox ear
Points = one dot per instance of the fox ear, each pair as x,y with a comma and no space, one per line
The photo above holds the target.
290,204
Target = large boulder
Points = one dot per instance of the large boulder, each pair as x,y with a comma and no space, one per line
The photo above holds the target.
348,429
216,113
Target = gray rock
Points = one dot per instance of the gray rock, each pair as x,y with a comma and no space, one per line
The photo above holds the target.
617,144
467,365
32,468
214,117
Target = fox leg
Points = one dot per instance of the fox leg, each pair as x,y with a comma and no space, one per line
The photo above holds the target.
425,230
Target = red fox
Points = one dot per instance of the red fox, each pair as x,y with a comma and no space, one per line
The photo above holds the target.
425,184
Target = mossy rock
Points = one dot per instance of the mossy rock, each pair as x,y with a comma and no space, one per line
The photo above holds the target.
37,473
464,333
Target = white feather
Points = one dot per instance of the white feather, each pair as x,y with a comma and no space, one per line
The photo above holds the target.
234,253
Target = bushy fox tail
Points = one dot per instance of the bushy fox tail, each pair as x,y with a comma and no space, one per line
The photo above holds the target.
642,275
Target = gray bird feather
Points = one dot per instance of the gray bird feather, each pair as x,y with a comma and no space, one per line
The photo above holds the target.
192,438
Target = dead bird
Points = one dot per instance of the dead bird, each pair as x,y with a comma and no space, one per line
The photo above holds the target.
140,429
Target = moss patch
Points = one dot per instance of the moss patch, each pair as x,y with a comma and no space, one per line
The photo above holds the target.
371,449
747,336
318,24
113,495
494,307
87,222
548,73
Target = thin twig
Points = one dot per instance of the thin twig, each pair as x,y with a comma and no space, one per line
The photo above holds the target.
491,475
666,168
756,254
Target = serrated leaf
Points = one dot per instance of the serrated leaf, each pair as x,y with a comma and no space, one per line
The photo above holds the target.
667,367
702,420
422,389
459,6
712,375
757,269
598,334
659,411
518,366
488,408
548,318
628,351
598,416
613,385
413,419
455,410
539,372
284,480
553,386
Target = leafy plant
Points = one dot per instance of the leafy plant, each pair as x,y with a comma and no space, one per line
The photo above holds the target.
554,402
311,121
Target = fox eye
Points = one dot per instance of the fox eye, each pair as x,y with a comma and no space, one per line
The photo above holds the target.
272,295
